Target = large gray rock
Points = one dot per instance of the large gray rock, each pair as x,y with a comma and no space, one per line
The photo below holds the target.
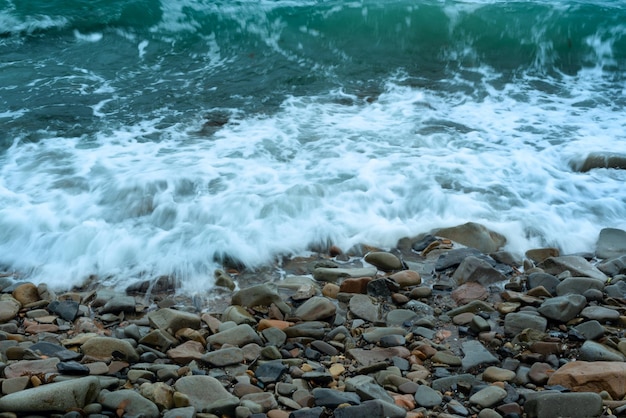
600,160
516,322
9,307
578,285
239,336
474,269
476,355
259,295
107,347
489,396
371,409
130,402
53,397
384,261
474,235
572,405
207,394
172,320
318,307
593,351
367,388
563,308
576,265
613,266
611,243
362,307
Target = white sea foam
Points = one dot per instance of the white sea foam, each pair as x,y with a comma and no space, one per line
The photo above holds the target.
322,169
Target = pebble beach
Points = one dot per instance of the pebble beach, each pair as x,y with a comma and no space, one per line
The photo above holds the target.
445,325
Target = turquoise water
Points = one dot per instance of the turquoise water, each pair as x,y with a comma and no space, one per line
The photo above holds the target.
158,137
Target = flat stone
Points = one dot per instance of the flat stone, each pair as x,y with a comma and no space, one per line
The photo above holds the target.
333,275
613,266
445,357
72,368
270,371
468,292
374,408
407,278
377,354
53,397
54,350
454,257
474,269
358,285
130,402
571,405
106,347
159,393
259,295
118,304
474,235
594,351
363,307
367,388
400,317
224,357
172,320
66,309
576,265
375,334
159,339
207,394
537,255
186,352
446,383
548,281
578,285
239,336
563,308
611,243
600,313
31,367
476,355
583,376
427,397
489,396
238,314
474,306
539,373
590,330
265,400
383,260
498,374
331,398
316,308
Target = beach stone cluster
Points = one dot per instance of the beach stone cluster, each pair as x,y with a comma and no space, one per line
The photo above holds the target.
444,325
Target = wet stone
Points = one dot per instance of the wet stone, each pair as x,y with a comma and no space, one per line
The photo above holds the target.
72,368
590,330
476,355
600,313
270,371
331,398
563,308
489,396
66,309
594,351
427,397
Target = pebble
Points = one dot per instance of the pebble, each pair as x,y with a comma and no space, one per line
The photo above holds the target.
379,341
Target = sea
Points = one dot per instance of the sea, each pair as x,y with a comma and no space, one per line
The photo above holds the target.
150,138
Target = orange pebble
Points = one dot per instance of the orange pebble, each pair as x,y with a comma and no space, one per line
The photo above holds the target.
269,323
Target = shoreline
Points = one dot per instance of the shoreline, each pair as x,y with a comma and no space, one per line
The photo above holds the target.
444,325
